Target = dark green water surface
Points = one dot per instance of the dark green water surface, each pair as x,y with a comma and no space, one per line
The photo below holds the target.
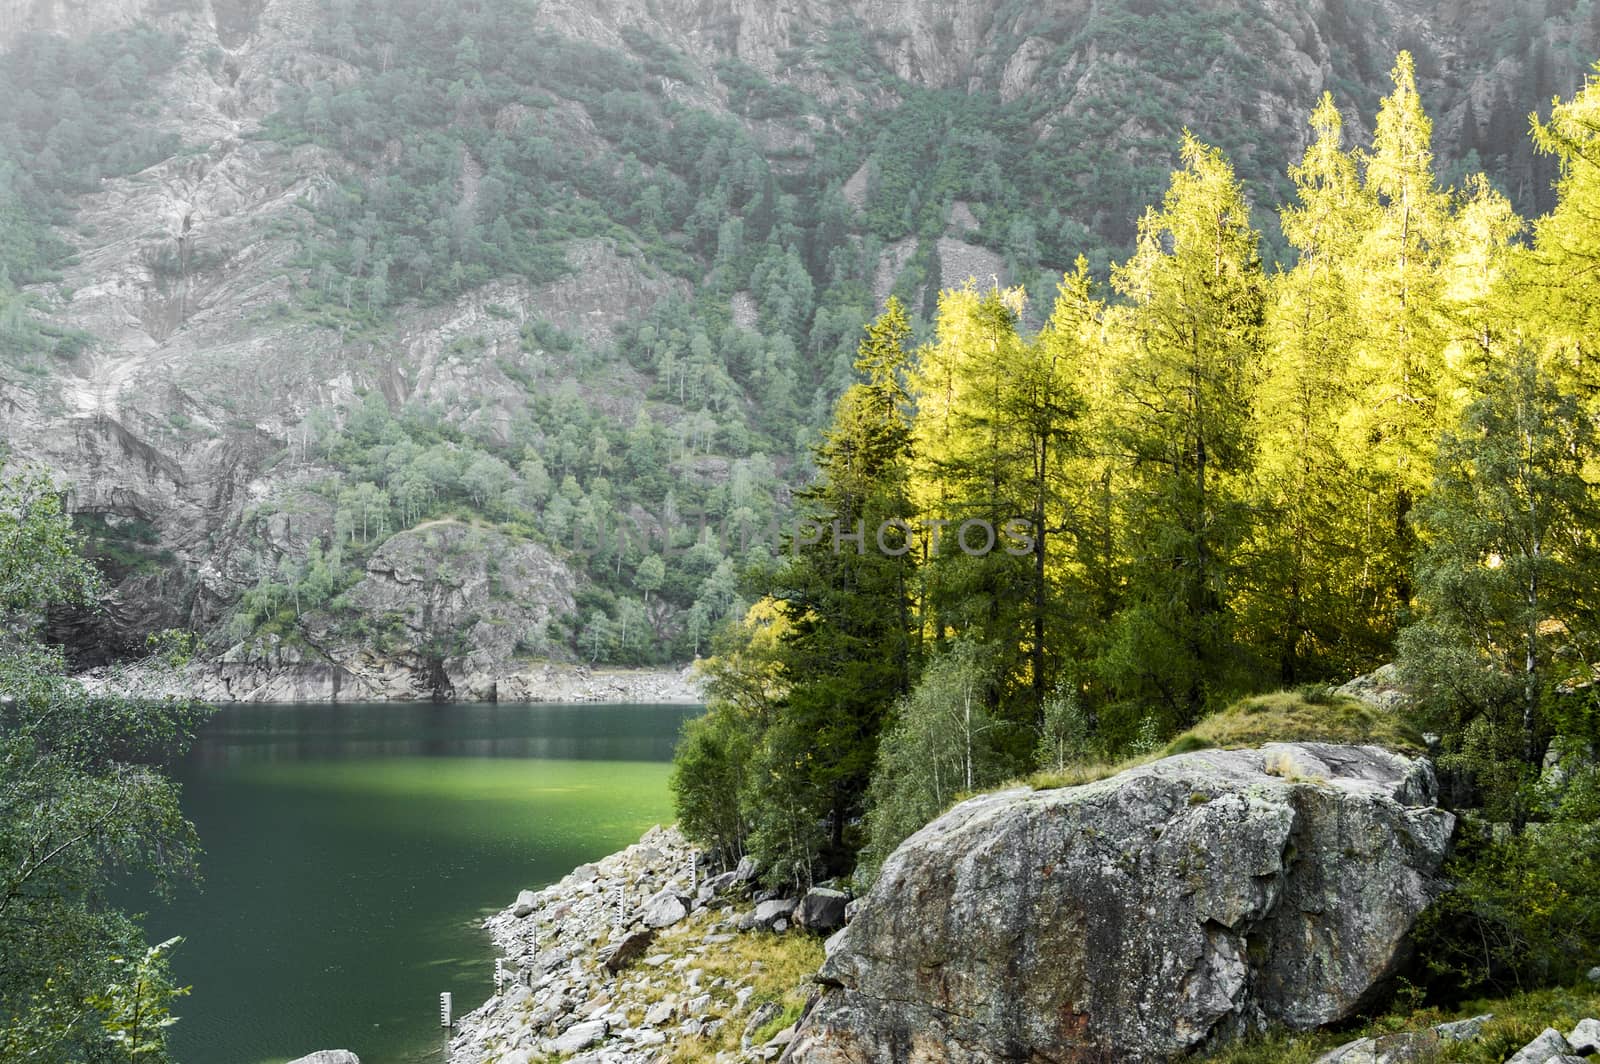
351,852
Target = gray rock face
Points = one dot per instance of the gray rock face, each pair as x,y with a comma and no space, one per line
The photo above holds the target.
527,901
1139,916
1550,1045
1380,688
1463,1030
1585,1038
581,1036
821,910
769,913
1390,1049
1406,1045
664,910
329,1056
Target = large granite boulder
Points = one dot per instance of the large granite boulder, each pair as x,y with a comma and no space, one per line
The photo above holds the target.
1138,917
329,1056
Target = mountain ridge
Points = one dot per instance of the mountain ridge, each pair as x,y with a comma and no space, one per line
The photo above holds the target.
227,314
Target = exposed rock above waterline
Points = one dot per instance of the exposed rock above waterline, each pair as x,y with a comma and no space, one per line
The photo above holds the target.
234,682
594,968
1141,916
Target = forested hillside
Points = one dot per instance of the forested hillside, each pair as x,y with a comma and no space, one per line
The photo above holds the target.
288,284
1203,482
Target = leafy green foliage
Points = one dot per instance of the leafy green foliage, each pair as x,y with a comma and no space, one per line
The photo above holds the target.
137,1005
1506,583
943,742
84,801
1522,911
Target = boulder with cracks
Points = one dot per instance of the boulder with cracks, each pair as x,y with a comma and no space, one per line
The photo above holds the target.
1138,917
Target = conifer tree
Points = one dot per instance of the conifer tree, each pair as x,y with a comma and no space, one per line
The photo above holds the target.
1186,388
1303,607
997,417
846,649
1565,267
1480,263
1402,388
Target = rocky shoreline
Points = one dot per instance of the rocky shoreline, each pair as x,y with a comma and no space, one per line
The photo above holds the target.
229,682
1091,922
626,960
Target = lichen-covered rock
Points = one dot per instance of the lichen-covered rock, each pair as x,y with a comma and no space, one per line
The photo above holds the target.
1463,1030
1389,1049
1140,916
329,1056
581,1036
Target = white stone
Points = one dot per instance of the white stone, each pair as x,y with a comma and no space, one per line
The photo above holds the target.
1585,1038
581,1036
1548,1046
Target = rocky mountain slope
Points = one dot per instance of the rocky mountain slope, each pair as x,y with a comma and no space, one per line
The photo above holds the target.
604,266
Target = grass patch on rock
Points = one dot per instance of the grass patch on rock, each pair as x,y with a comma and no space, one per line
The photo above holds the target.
1298,717
1303,716
1518,1020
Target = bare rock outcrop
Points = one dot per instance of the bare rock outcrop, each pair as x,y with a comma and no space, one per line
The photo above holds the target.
1141,916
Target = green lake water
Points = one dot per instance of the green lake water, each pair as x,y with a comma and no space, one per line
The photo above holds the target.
352,851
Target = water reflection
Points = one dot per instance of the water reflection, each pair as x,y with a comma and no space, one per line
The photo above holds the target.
263,734
351,851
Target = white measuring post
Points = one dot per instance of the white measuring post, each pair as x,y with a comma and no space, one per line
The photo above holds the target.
444,1010
617,898
694,872
499,976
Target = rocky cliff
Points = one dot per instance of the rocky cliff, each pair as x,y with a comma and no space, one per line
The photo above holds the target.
214,357
1138,918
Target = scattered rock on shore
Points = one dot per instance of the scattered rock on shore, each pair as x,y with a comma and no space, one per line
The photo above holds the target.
627,957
